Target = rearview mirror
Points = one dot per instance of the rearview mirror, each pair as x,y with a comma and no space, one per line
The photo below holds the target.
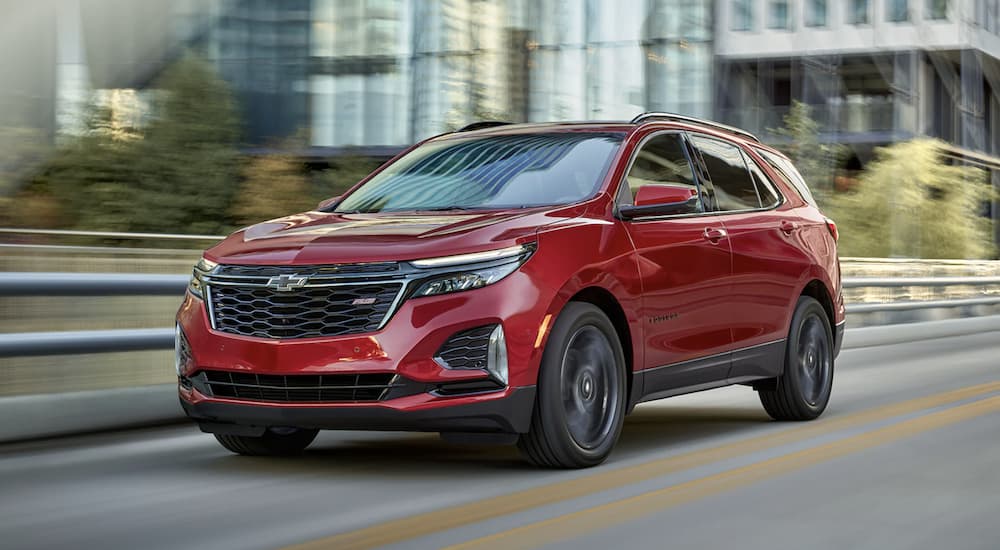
661,200
327,203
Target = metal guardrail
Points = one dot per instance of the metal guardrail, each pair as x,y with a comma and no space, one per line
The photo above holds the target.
34,344
922,304
109,234
121,340
930,282
91,284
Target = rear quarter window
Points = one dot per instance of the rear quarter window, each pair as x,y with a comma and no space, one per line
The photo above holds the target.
787,172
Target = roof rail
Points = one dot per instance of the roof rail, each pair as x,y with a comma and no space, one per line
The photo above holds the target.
644,117
483,124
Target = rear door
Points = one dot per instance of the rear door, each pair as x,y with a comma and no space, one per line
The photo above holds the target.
684,261
767,261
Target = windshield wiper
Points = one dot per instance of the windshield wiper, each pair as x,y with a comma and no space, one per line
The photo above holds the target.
446,208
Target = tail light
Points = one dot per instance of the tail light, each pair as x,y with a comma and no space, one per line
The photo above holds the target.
833,229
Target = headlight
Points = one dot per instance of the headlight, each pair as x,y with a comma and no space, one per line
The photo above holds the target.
197,284
482,269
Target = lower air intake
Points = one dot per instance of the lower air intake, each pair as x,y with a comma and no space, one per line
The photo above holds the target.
300,388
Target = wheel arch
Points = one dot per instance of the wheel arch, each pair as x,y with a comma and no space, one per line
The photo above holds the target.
818,290
606,301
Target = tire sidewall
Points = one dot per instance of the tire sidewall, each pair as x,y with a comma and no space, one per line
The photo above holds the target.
806,308
574,317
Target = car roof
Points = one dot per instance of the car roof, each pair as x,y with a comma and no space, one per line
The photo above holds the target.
693,125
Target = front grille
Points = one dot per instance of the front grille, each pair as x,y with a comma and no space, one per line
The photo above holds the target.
303,313
467,349
300,388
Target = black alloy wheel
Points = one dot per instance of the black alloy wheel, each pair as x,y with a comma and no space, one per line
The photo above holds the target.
803,389
581,398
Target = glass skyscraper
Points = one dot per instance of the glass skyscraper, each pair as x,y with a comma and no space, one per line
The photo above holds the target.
388,72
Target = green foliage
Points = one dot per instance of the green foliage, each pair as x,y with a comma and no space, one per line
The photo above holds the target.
343,173
911,203
817,162
178,174
21,151
273,186
186,172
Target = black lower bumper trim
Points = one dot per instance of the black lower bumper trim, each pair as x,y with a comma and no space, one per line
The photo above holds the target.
511,414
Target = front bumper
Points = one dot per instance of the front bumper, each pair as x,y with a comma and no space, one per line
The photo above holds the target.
435,398
499,412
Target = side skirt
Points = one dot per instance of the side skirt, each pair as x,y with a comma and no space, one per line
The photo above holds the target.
744,365
756,362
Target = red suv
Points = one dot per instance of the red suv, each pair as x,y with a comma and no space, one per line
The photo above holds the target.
528,283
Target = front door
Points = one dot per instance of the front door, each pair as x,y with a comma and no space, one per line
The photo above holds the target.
685,265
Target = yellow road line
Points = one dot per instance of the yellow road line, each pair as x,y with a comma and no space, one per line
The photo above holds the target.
397,530
576,524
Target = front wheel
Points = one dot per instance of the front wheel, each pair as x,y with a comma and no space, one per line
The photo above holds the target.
803,389
274,442
580,404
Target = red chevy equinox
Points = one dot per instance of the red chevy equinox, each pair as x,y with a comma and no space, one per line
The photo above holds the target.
525,283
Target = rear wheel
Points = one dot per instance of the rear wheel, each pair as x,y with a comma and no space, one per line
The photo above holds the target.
274,442
803,389
580,404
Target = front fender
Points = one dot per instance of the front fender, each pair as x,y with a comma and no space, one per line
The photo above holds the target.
586,253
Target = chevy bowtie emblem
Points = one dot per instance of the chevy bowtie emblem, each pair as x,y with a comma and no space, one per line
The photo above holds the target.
287,282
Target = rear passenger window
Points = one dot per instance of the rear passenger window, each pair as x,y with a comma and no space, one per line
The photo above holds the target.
734,187
769,197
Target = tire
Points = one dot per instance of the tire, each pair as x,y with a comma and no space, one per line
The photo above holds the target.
803,389
272,443
581,397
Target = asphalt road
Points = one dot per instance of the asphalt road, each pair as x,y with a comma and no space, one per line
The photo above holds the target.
907,456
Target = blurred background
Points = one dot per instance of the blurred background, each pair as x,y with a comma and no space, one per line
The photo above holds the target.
135,133
176,116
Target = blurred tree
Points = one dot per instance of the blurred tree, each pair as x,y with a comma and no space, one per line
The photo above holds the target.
343,173
273,186
21,151
910,202
186,173
177,174
77,178
817,162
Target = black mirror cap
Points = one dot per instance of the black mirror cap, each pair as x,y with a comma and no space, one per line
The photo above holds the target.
630,212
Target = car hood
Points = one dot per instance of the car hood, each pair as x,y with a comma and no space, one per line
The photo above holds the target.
320,237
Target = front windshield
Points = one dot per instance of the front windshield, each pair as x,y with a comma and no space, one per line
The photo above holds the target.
507,171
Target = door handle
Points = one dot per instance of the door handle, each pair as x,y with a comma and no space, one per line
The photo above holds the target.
715,234
787,227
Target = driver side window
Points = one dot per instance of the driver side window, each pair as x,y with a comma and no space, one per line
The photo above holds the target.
662,160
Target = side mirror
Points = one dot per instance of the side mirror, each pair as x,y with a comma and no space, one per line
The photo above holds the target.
661,200
327,203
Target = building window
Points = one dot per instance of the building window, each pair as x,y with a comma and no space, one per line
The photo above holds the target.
897,11
937,9
816,13
859,13
742,15
778,15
